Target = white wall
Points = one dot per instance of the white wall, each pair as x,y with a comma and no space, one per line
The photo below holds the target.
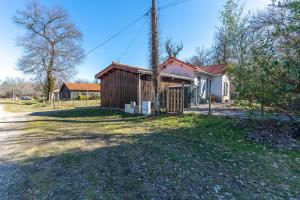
177,69
225,78
200,80
218,84
203,87
216,89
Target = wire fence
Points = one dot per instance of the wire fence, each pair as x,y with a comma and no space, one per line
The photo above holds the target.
75,103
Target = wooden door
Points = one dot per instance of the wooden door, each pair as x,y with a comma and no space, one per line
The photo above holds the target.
175,100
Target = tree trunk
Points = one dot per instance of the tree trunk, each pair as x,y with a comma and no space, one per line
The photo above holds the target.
155,58
50,77
50,86
209,101
262,108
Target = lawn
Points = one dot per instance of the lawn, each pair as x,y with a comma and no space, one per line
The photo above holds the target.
32,106
97,153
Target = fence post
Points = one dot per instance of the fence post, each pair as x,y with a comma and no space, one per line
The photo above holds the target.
209,104
53,103
96,98
86,98
182,98
167,97
72,95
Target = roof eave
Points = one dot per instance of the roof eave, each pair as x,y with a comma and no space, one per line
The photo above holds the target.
204,72
167,75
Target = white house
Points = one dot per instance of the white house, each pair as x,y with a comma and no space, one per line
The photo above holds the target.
220,83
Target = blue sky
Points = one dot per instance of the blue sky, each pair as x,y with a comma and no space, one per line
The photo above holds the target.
193,22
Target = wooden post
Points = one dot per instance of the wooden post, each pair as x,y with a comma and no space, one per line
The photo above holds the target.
96,97
100,94
154,59
182,98
140,94
199,90
262,108
72,95
86,98
54,103
167,97
209,104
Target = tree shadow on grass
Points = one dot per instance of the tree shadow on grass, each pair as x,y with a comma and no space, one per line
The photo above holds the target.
201,161
84,112
81,115
165,164
127,167
76,120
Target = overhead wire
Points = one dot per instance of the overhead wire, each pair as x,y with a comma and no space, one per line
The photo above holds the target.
168,5
132,42
171,4
119,32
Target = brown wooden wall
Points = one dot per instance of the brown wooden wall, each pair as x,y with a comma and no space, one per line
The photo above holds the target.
121,87
118,88
165,83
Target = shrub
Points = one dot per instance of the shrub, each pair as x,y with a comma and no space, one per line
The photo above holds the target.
94,97
80,97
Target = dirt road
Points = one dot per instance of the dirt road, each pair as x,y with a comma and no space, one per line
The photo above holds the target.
11,125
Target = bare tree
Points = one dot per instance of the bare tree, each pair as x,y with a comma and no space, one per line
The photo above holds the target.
16,86
154,60
81,80
173,49
52,44
221,51
202,57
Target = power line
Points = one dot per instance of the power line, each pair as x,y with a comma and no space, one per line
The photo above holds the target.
171,4
131,43
119,32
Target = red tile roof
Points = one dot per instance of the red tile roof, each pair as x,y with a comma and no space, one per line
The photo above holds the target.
136,70
172,59
213,70
83,87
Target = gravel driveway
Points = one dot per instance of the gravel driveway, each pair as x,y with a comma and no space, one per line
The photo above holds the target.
11,125
224,110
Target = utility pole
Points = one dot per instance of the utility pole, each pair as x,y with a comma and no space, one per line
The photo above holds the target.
155,58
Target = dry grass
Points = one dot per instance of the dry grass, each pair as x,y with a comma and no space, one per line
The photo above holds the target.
34,106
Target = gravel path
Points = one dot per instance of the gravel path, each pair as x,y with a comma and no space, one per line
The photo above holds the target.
10,173
232,112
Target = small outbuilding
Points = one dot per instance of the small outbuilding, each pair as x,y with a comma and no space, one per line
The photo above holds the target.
122,84
72,90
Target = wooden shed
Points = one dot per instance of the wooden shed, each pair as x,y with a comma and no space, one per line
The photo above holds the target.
70,90
122,84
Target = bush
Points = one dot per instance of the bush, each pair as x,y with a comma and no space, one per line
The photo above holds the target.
38,99
28,103
94,97
80,97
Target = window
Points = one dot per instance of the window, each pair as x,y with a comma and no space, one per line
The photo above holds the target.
225,89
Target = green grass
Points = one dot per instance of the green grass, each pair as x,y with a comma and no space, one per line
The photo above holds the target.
104,154
34,106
